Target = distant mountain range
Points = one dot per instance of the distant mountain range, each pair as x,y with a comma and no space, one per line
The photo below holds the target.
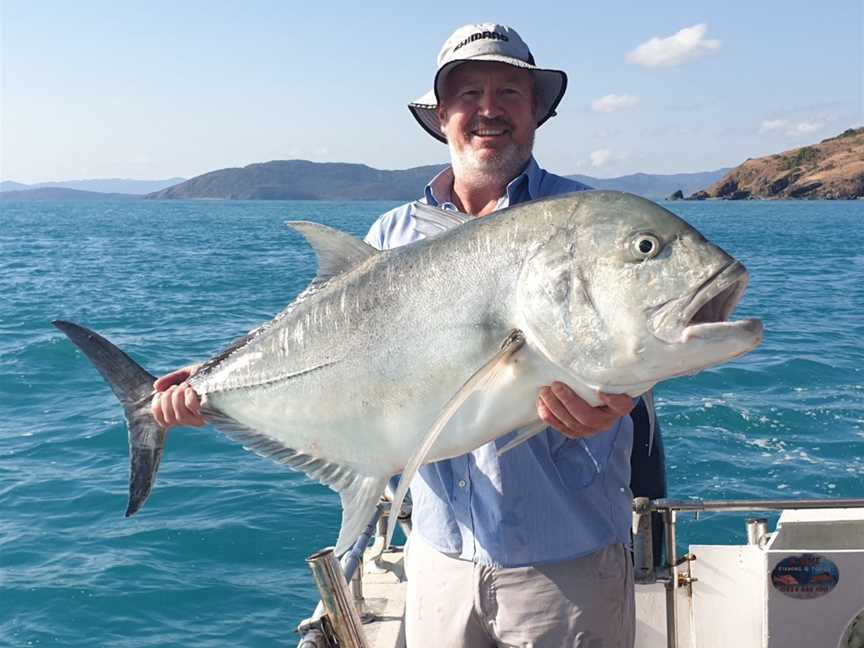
304,180
105,185
653,186
834,168
61,193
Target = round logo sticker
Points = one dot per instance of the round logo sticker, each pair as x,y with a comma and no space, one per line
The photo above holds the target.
805,577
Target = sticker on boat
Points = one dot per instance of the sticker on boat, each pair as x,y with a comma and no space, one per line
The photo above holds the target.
805,576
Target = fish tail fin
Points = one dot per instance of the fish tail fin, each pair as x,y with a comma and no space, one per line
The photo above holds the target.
133,386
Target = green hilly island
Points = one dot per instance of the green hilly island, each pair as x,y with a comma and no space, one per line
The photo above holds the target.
304,180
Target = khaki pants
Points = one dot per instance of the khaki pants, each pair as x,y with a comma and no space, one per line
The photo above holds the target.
586,602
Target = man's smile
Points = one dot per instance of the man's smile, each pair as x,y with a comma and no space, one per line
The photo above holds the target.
490,131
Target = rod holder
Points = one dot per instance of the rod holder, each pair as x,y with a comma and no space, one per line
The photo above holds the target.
669,520
757,531
643,542
342,616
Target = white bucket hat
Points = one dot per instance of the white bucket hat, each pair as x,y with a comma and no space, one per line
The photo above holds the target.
488,42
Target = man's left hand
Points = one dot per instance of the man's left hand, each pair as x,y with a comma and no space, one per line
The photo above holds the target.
563,409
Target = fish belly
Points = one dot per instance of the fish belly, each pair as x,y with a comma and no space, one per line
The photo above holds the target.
372,417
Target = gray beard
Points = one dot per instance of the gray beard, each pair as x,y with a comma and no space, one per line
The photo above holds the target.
500,169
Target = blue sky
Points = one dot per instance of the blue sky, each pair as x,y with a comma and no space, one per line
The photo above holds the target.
159,89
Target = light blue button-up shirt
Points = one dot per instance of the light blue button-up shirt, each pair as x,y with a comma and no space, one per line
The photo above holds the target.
547,500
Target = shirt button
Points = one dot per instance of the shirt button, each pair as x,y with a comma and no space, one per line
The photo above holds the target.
621,490
461,483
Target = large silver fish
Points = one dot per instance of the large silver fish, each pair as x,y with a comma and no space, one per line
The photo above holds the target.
393,359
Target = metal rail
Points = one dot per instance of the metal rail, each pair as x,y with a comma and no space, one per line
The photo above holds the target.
318,631
669,509
341,614
338,616
741,506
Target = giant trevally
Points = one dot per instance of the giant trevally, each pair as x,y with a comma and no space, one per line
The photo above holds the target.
393,359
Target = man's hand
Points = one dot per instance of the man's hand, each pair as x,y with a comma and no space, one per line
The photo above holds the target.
560,407
175,402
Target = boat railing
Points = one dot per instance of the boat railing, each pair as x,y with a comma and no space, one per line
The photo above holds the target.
338,617
675,572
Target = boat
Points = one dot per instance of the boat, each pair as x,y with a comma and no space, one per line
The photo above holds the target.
798,586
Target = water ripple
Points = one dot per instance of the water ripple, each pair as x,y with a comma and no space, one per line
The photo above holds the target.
216,558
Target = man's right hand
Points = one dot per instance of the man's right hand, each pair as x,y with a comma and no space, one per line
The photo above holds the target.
175,402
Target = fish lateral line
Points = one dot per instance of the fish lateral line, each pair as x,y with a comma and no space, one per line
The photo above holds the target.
278,380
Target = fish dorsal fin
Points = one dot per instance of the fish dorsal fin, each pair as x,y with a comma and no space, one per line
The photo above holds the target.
432,221
337,252
482,377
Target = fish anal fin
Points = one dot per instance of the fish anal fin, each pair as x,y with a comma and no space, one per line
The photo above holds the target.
483,376
359,500
359,492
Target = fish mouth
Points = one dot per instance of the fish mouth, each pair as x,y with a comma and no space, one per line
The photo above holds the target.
706,311
712,303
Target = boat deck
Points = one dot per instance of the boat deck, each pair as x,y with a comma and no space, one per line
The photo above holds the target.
383,604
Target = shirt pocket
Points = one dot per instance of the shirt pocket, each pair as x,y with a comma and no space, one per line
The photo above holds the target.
581,461
576,464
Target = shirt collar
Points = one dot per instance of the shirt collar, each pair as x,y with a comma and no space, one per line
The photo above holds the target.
532,175
439,191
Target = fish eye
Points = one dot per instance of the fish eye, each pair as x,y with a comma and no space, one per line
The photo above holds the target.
646,246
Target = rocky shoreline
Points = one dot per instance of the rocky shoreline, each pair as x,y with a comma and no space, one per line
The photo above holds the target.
830,170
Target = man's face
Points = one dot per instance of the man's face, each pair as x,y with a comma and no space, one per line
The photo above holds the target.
488,113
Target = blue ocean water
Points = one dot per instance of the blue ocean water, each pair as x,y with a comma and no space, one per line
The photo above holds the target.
217,556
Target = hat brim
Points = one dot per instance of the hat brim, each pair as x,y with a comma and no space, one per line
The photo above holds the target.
550,85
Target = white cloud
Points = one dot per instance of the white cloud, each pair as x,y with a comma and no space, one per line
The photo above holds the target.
686,45
789,128
772,124
802,128
600,157
613,102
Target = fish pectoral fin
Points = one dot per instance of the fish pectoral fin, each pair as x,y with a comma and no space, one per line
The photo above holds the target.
483,376
336,251
648,397
522,435
359,501
431,221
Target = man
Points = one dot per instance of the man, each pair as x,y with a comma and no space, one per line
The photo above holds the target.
526,549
